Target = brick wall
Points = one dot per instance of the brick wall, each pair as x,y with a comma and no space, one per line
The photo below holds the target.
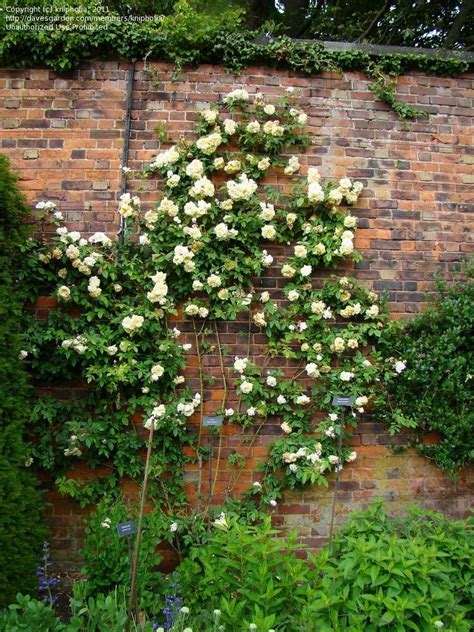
65,134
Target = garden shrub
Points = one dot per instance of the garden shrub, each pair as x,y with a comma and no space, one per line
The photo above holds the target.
396,574
21,525
248,574
434,393
380,572
410,574
107,557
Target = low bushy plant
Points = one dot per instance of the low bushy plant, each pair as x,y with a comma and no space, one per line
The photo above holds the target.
398,575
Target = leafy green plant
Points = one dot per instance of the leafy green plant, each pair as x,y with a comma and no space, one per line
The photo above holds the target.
193,32
412,574
107,556
433,393
247,574
22,528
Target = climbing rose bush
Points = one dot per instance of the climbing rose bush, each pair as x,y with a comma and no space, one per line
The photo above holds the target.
201,248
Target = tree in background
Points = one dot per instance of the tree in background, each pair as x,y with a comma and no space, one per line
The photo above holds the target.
21,525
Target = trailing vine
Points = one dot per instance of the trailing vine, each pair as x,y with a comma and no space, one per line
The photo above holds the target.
198,254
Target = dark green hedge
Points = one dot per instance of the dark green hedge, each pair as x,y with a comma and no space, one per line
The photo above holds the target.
21,523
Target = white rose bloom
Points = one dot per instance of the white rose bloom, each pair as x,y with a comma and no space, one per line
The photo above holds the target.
168,157
281,399
345,183
350,221
197,285
112,349
221,231
226,205
266,259
347,246
303,399
168,207
315,192
218,163
223,294
241,189
271,380
132,323
400,366
64,293
196,210
338,345
202,187
100,238
210,116
302,118
273,128
306,270
230,127
313,175
265,297
300,251
156,372
259,319
246,387
173,527
293,166
203,312
251,412
288,271
373,311
23,354
228,412
293,295
214,280
264,164
182,254
233,166
290,219
312,369
346,376
352,343
273,503
72,252
253,127
335,196
240,364
193,232
209,144
333,459
268,231
269,109
239,94
319,249
318,307
173,180
361,401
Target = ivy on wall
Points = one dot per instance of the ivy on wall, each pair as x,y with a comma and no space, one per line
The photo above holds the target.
187,37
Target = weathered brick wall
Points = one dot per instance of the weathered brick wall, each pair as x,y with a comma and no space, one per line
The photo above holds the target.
65,134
